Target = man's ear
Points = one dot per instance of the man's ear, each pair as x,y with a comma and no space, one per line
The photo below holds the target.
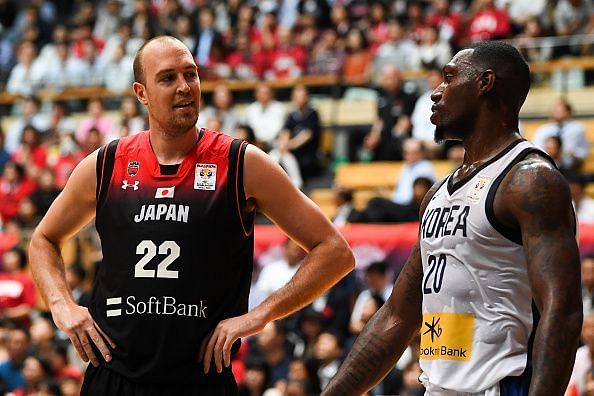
486,81
140,92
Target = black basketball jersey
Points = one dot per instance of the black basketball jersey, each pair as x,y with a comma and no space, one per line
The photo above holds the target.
177,253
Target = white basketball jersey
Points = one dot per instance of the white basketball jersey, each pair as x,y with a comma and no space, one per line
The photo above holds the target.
477,301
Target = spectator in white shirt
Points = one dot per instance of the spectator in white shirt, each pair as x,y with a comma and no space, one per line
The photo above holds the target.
266,116
277,273
584,205
571,132
25,77
422,128
30,116
64,71
118,75
223,108
415,166
93,68
378,283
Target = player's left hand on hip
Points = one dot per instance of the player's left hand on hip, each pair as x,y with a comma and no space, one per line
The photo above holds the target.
217,345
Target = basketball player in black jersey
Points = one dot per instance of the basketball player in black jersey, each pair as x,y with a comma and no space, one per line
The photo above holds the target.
174,208
478,103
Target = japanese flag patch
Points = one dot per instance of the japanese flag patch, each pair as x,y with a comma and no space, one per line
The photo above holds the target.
205,177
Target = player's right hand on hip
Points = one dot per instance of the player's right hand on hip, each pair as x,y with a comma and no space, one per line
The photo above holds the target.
79,326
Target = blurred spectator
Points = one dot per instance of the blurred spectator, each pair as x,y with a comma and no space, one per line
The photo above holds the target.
532,45
184,31
397,51
122,37
302,129
93,141
571,132
554,148
573,17
415,166
241,60
69,156
46,191
82,34
328,351
309,325
108,16
61,120
447,22
392,124
378,32
283,156
378,283
339,16
327,56
265,116
488,23
415,21
345,213
70,387
168,12
276,274
583,204
288,60
522,11
272,345
588,283
433,52
132,119
60,365
410,380
118,77
37,374
336,305
583,356
27,218
93,69
223,108
26,76
356,69
17,291
75,278
42,332
256,377
422,127
96,119
207,37
14,186
31,154
65,70
143,20
4,156
11,370
304,371
48,54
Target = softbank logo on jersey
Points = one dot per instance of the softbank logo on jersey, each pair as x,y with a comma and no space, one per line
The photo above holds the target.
164,305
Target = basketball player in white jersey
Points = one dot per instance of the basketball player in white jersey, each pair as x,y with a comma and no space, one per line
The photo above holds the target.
496,251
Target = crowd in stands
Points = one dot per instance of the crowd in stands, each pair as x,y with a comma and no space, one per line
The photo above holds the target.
367,43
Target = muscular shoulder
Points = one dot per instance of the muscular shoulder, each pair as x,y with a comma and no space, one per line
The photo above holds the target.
533,188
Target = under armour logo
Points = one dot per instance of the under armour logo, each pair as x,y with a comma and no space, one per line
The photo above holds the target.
434,328
125,185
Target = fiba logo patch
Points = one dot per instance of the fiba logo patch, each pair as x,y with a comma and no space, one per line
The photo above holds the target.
205,177
133,167
476,190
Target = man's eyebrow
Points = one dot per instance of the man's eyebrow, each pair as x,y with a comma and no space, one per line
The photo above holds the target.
170,70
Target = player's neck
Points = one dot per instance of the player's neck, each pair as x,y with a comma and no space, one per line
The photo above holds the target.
484,146
170,149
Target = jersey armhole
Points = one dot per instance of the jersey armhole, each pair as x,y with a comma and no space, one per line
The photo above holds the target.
513,235
104,170
237,191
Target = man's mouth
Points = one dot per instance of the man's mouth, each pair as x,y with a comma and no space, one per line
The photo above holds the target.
183,105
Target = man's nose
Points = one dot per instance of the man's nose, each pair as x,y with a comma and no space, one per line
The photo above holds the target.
182,84
437,93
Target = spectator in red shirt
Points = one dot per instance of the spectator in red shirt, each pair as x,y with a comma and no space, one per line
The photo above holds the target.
416,22
287,60
240,59
32,155
14,186
378,30
447,22
17,292
488,23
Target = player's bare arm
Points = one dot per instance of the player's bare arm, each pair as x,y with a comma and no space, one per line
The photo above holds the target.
387,334
70,211
535,197
270,191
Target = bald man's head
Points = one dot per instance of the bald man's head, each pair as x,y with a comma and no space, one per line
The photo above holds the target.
138,66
